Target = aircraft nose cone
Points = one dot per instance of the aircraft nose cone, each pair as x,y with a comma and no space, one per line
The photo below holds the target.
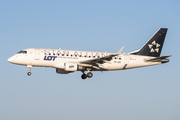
10,60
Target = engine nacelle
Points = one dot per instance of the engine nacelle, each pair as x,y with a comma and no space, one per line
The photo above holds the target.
70,67
73,67
62,71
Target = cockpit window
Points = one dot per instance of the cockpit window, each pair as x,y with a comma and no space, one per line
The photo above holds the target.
22,52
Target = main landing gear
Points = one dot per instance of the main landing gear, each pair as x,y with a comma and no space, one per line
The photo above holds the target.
29,66
84,76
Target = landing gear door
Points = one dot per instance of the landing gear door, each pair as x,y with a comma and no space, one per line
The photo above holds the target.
37,54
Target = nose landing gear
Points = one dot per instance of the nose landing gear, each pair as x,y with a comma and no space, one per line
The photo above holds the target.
29,73
29,66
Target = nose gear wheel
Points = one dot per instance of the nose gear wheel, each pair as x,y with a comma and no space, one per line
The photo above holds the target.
29,73
29,66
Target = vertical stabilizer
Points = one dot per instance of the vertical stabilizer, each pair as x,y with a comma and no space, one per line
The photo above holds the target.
154,45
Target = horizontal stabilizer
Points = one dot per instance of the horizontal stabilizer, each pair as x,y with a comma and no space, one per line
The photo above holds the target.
157,59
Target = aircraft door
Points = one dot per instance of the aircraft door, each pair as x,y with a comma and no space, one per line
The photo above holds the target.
37,54
126,58
126,61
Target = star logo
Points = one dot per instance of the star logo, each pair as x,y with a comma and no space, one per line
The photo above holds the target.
154,47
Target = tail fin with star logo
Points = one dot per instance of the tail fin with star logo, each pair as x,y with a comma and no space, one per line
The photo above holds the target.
154,45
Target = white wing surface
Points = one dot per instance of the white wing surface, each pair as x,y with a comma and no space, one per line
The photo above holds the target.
101,60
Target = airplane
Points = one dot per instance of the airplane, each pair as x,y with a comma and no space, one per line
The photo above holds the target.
68,61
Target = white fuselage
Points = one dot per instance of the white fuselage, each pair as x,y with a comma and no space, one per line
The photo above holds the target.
67,61
56,57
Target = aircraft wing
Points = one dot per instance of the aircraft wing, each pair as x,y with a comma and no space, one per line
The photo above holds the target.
157,58
101,60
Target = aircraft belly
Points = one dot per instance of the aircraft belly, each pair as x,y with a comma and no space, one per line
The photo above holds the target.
116,66
104,66
139,62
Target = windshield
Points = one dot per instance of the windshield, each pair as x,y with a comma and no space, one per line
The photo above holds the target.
23,52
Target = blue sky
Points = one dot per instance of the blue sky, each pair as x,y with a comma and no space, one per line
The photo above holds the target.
91,25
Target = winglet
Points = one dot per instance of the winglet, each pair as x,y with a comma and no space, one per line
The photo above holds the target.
119,52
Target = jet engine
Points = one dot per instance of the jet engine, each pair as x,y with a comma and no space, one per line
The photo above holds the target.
62,71
70,67
65,68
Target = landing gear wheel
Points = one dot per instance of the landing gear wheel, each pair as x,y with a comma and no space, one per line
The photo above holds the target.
89,75
83,76
29,73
